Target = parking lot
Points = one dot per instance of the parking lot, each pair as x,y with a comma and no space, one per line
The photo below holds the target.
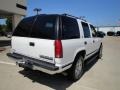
102,74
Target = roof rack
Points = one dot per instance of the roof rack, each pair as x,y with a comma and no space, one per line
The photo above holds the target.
65,14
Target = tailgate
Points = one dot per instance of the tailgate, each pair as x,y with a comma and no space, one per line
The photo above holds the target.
41,49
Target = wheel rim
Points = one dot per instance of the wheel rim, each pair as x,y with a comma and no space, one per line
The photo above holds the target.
78,68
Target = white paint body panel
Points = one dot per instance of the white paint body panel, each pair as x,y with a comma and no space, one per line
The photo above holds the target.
70,47
42,47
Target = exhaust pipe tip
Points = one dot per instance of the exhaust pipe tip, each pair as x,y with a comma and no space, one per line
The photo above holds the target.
20,63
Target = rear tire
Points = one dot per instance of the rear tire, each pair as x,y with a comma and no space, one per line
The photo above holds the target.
76,71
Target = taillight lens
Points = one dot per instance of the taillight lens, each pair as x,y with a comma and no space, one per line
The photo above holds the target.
58,49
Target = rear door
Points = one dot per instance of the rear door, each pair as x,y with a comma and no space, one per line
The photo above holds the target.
39,43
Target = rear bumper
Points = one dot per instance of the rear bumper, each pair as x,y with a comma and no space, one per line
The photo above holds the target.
35,64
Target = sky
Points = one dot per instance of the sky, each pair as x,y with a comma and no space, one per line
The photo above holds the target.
98,12
2,21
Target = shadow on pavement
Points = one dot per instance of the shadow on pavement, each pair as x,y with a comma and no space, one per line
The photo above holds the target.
90,64
58,81
5,43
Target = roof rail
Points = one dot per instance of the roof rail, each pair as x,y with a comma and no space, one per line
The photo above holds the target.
65,14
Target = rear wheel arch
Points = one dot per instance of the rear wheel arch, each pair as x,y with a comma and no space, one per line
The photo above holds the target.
80,53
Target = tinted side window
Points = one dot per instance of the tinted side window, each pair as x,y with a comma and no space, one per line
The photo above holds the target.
70,29
93,31
44,27
86,30
24,27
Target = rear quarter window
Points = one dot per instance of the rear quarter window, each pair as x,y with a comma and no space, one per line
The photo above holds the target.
70,29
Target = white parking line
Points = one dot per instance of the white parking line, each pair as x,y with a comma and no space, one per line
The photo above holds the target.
13,64
89,88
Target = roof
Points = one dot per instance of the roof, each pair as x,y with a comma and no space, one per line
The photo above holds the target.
67,15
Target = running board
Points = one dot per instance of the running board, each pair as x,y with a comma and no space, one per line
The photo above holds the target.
89,60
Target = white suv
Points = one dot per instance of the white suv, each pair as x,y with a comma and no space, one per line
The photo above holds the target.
55,43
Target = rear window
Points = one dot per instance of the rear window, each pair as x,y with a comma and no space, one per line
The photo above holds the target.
24,27
43,27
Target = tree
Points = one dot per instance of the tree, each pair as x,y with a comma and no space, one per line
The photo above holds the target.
1,30
9,24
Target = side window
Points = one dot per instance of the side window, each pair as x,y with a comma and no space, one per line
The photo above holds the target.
70,29
86,30
93,31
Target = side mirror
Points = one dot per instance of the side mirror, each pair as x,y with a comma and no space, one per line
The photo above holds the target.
100,34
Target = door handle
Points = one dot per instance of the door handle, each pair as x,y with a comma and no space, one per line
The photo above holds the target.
93,41
85,42
32,44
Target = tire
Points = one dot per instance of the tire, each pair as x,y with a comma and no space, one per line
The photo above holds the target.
100,52
76,71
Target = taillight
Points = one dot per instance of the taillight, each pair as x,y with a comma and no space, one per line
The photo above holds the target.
58,49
